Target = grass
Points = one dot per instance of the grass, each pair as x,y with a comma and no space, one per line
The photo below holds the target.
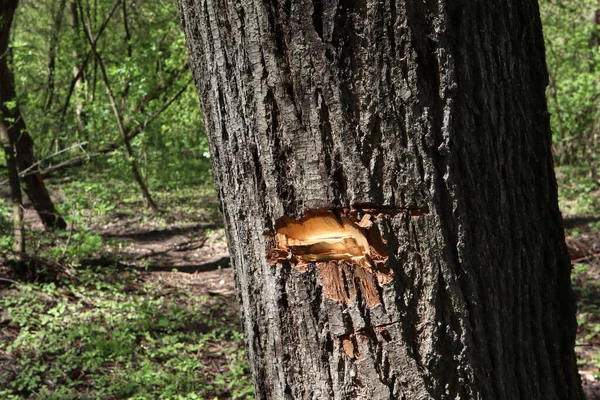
578,192
114,332
111,334
586,284
579,198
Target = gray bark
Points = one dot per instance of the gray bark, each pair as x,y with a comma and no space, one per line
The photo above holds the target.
427,119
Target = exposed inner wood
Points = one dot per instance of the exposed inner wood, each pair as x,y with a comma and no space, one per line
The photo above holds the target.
347,250
323,236
350,346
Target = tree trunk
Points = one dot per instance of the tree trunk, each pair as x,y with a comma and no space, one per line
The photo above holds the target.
78,74
386,180
148,202
52,54
17,132
15,192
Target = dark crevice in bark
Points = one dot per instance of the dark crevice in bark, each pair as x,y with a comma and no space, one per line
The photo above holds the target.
346,40
391,27
361,301
261,186
371,141
277,23
405,284
449,331
283,295
340,179
222,112
285,189
286,319
258,371
263,65
316,302
239,9
345,282
337,185
317,17
291,97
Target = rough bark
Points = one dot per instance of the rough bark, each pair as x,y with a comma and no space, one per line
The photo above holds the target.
421,127
17,132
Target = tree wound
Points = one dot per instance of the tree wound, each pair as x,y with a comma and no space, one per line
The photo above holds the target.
345,248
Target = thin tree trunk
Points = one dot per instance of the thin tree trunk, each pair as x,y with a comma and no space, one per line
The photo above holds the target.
78,70
127,40
129,153
13,120
385,175
54,42
15,191
80,78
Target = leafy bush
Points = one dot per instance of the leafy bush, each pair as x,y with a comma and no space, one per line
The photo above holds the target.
573,56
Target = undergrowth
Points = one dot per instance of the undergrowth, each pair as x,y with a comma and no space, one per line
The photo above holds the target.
107,334
579,190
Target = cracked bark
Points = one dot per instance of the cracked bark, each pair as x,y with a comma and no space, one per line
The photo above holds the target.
434,110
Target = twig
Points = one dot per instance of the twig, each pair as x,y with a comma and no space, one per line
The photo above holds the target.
28,171
188,246
25,171
177,247
588,257
68,241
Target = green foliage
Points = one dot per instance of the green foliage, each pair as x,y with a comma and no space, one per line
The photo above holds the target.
577,191
143,49
587,288
109,336
5,219
573,58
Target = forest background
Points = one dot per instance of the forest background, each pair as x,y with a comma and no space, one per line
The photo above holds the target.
134,298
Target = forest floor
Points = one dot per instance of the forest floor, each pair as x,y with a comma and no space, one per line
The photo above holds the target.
126,304
142,306
579,197
584,247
